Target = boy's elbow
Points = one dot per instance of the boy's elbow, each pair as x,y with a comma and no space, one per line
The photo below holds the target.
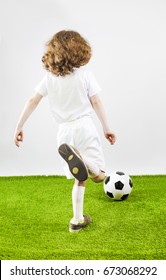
95,100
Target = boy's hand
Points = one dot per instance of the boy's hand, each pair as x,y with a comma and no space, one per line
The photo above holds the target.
110,136
18,137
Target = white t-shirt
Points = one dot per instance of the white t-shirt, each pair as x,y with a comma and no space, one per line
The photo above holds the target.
69,95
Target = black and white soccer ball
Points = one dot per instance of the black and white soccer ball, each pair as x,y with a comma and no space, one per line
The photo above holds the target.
118,185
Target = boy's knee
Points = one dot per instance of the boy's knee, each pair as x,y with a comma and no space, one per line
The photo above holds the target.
80,183
100,178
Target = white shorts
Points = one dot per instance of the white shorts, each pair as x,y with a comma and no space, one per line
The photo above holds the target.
82,135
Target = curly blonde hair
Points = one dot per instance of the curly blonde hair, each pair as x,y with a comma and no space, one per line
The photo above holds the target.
65,51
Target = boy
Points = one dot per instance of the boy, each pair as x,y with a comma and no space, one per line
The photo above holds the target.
73,93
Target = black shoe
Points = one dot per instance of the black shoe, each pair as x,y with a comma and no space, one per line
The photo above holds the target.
74,161
79,226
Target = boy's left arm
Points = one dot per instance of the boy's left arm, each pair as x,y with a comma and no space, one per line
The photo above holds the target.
27,111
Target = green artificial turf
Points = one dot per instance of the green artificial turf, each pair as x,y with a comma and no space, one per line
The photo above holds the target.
35,213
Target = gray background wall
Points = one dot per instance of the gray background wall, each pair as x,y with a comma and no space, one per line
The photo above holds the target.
129,61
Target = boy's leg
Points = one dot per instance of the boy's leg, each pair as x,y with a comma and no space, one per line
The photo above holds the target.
95,174
79,220
99,178
78,201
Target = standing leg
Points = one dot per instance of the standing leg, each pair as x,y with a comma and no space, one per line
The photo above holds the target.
79,170
79,220
78,201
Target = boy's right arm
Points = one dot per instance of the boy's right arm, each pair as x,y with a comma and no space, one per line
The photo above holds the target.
27,111
100,111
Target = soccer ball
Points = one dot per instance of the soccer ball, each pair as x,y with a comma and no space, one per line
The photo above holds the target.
118,185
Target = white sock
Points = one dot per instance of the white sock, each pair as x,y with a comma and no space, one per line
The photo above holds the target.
78,202
93,169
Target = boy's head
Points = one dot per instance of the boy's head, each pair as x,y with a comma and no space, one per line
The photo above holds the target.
65,51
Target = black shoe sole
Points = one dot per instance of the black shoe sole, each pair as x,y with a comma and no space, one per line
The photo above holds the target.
75,163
